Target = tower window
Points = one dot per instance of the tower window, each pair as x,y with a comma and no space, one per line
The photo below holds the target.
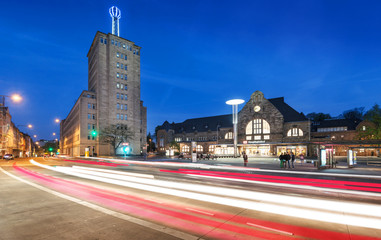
125,57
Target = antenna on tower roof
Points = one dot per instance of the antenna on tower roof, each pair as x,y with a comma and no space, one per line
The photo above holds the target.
115,14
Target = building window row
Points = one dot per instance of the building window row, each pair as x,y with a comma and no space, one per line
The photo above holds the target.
121,76
120,106
90,106
121,116
104,41
90,96
332,129
121,96
121,86
121,66
91,116
90,137
90,126
121,56
229,135
258,129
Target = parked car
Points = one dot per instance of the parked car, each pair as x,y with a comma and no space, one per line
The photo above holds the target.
8,157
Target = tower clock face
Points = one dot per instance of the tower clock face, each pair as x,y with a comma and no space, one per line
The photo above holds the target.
257,108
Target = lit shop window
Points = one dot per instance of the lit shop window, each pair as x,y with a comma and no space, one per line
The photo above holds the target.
211,148
178,139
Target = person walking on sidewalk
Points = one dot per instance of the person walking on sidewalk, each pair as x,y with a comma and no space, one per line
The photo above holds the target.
281,159
245,158
292,159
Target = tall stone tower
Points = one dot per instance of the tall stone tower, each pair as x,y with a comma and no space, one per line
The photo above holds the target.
114,75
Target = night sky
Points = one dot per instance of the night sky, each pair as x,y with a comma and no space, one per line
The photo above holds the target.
322,56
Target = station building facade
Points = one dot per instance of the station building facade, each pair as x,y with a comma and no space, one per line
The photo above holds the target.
266,127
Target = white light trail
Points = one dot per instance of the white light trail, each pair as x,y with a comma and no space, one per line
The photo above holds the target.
207,166
364,215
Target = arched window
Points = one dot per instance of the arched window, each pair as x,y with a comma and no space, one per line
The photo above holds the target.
229,135
185,148
258,129
295,132
199,148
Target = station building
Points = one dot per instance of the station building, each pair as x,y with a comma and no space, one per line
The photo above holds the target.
266,127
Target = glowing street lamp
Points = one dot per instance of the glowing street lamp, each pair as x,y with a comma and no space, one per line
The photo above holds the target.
30,126
57,120
234,103
54,134
35,136
16,98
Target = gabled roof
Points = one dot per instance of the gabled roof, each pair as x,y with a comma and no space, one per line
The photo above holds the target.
351,124
199,124
289,114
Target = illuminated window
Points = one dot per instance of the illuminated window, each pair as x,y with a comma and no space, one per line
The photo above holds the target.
121,85
199,148
178,139
161,142
124,45
185,148
117,75
212,148
363,128
117,54
117,65
117,85
256,129
229,135
295,132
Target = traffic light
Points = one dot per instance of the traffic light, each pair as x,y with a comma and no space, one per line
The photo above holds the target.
94,133
50,149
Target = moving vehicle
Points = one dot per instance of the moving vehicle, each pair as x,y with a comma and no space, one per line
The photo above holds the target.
8,157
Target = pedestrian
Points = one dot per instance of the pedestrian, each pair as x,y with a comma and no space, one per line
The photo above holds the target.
287,158
292,159
244,159
281,157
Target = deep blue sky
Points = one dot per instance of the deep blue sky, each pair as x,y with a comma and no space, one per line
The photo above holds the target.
322,56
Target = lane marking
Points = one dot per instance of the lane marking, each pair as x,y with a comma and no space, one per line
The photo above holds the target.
199,211
143,223
115,172
271,229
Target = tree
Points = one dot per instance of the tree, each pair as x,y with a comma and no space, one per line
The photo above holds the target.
175,145
355,113
318,117
115,134
151,145
373,113
373,130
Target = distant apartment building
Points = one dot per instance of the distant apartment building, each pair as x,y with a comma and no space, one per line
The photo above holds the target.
12,140
112,98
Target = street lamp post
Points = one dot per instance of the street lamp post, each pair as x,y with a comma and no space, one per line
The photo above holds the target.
234,103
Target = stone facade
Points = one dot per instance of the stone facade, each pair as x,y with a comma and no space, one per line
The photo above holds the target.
114,84
265,127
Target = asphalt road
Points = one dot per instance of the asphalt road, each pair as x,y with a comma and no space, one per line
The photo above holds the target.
170,199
